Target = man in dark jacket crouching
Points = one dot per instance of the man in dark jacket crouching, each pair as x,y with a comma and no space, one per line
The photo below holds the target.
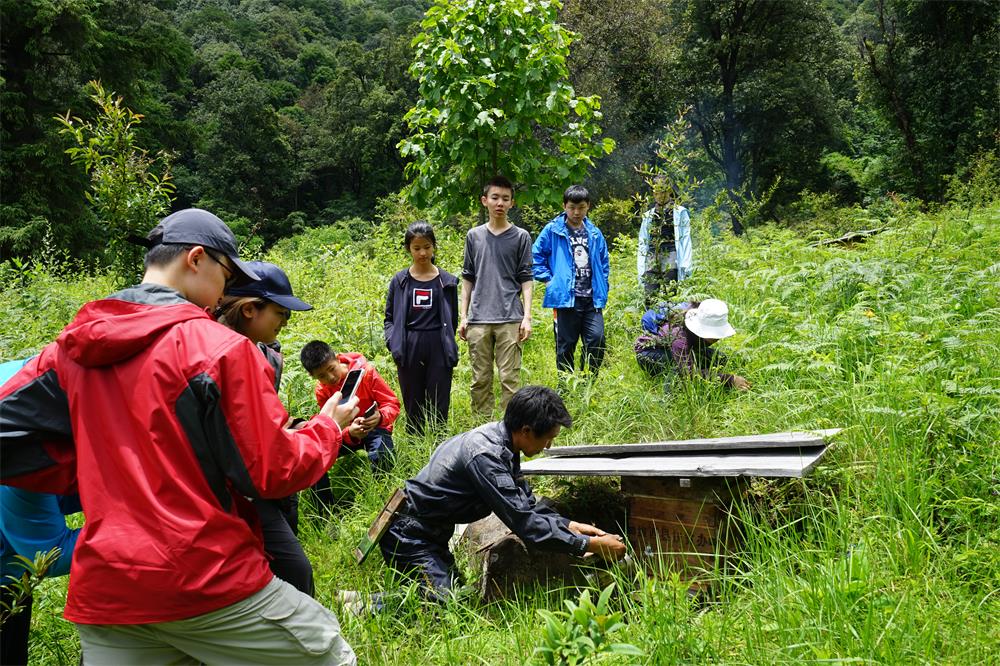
479,472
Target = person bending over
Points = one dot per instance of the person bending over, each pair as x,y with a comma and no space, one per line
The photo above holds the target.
479,472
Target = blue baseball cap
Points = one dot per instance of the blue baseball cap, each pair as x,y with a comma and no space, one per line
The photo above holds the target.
272,285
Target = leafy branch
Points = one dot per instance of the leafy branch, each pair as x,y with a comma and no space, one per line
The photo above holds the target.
581,632
129,189
673,155
22,588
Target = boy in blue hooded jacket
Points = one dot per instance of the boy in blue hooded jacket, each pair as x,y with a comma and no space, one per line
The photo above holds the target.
571,255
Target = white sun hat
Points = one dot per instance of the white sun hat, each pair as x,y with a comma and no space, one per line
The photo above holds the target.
709,320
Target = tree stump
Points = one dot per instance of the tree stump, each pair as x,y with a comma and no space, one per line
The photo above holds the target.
505,563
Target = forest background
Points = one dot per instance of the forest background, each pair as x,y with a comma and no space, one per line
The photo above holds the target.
282,116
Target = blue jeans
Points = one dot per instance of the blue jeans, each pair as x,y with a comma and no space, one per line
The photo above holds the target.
581,320
378,446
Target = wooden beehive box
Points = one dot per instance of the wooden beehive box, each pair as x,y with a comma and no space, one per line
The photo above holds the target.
684,523
680,494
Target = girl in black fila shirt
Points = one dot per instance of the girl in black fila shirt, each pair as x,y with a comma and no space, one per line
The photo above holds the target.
421,315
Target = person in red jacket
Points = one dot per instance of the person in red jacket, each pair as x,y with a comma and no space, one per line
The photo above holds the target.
378,405
167,421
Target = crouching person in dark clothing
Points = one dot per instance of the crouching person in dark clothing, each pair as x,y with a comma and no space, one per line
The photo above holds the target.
479,472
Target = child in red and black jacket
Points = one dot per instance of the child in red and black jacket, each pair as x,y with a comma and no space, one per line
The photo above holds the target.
374,433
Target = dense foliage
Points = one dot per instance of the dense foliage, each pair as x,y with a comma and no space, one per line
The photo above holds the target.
494,99
887,553
286,115
282,115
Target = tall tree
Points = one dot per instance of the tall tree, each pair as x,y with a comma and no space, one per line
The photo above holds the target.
243,159
624,53
930,71
494,97
757,75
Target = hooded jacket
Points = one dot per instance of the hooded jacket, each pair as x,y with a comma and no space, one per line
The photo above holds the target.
167,421
372,390
553,263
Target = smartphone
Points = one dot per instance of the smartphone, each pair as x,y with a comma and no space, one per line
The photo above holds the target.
351,384
370,412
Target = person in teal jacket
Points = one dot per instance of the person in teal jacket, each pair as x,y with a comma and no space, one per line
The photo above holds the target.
30,523
571,256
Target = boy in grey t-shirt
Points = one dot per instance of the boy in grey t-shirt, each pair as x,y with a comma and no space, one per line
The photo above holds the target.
493,319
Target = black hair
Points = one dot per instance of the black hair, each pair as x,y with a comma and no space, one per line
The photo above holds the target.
576,194
499,181
538,407
164,253
419,229
315,355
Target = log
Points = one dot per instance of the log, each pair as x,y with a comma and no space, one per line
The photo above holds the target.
505,563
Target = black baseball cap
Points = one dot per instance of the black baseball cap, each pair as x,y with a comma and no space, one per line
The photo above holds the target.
194,226
272,285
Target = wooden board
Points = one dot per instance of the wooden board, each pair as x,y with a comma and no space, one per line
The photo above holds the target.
791,463
778,440
684,513
720,490
380,526
679,539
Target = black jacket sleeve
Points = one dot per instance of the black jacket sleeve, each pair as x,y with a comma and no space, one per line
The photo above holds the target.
388,321
514,504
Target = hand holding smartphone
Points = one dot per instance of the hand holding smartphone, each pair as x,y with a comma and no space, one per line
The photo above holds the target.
341,412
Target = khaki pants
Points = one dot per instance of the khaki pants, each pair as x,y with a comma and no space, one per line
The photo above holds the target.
278,625
486,343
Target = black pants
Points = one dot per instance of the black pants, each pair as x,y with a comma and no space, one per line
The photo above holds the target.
288,560
581,320
654,360
426,393
379,448
420,552
14,633
659,285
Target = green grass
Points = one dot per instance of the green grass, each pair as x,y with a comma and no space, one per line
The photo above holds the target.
889,552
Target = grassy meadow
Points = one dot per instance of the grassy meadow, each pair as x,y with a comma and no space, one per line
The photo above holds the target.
888,553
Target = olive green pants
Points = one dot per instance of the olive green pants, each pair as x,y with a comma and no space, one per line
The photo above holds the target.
489,343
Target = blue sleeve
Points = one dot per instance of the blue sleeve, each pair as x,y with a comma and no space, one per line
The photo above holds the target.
34,522
541,254
605,258
514,504
682,232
